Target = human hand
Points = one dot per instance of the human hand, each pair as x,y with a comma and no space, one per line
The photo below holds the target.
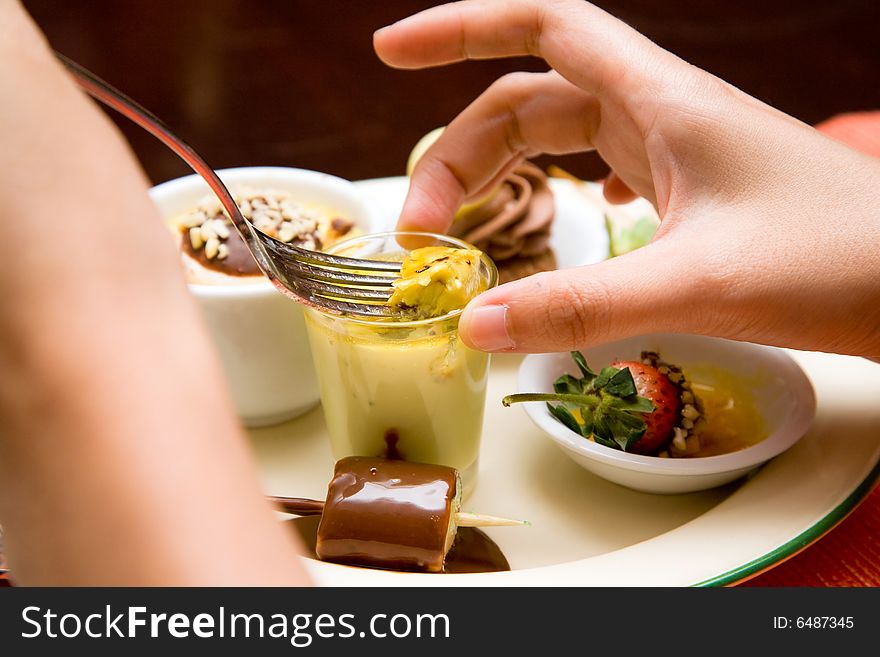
769,229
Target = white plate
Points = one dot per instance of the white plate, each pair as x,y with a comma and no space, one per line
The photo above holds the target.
588,531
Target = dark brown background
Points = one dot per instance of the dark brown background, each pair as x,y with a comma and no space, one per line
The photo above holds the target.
296,83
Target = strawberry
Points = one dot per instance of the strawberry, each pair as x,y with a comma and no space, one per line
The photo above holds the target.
630,405
652,384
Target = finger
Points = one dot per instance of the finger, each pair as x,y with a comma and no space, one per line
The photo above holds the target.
520,115
616,191
584,43
651,289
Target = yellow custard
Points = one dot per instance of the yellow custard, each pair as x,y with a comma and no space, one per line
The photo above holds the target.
435,280
732,418
399,392
404,388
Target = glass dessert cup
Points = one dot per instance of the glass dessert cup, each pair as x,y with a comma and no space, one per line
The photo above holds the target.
405,389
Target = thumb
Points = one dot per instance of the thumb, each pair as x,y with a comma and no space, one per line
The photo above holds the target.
654,288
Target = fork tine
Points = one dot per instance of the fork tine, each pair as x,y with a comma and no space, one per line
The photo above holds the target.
348,308
331,261
339,277
324,260
331,291
295,289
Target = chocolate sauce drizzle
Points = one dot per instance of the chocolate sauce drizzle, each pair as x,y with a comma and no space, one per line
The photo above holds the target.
472,552
392,437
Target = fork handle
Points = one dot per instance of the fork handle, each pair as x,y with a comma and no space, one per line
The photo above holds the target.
135,112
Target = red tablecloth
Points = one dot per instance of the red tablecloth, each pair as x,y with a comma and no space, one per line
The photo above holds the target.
848,555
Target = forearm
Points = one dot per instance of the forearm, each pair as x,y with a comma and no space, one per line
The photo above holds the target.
120,459
128,467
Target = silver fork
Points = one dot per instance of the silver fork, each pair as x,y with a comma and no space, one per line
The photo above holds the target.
330,282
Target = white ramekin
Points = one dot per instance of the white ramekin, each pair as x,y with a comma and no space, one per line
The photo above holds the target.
260,334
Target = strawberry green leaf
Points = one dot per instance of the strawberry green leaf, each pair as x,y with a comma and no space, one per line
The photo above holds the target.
608,443
635,405
587,426
627,428
567,384
582,365
624,435
604,377
563,415
602,430
605,407
621,384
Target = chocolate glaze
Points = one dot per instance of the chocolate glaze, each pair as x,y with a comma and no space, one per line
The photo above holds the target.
388,514
472,552
239,262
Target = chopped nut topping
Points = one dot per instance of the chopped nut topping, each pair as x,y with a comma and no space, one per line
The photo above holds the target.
208,231
287,232
679,441
271,212
691,421
212,247
221,229
195,238
195,219
690,412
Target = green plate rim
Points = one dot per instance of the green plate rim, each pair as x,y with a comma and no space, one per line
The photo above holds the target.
802,540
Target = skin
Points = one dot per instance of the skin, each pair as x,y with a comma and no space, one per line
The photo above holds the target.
769,229
120,459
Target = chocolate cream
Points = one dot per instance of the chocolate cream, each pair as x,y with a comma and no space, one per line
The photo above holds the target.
512,225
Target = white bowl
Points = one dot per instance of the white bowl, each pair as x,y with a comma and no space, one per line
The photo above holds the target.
259,333
782,392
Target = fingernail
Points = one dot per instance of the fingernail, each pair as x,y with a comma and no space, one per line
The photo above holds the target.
380,30
486,328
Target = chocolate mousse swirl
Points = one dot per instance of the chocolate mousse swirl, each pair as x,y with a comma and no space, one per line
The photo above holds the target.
513,224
